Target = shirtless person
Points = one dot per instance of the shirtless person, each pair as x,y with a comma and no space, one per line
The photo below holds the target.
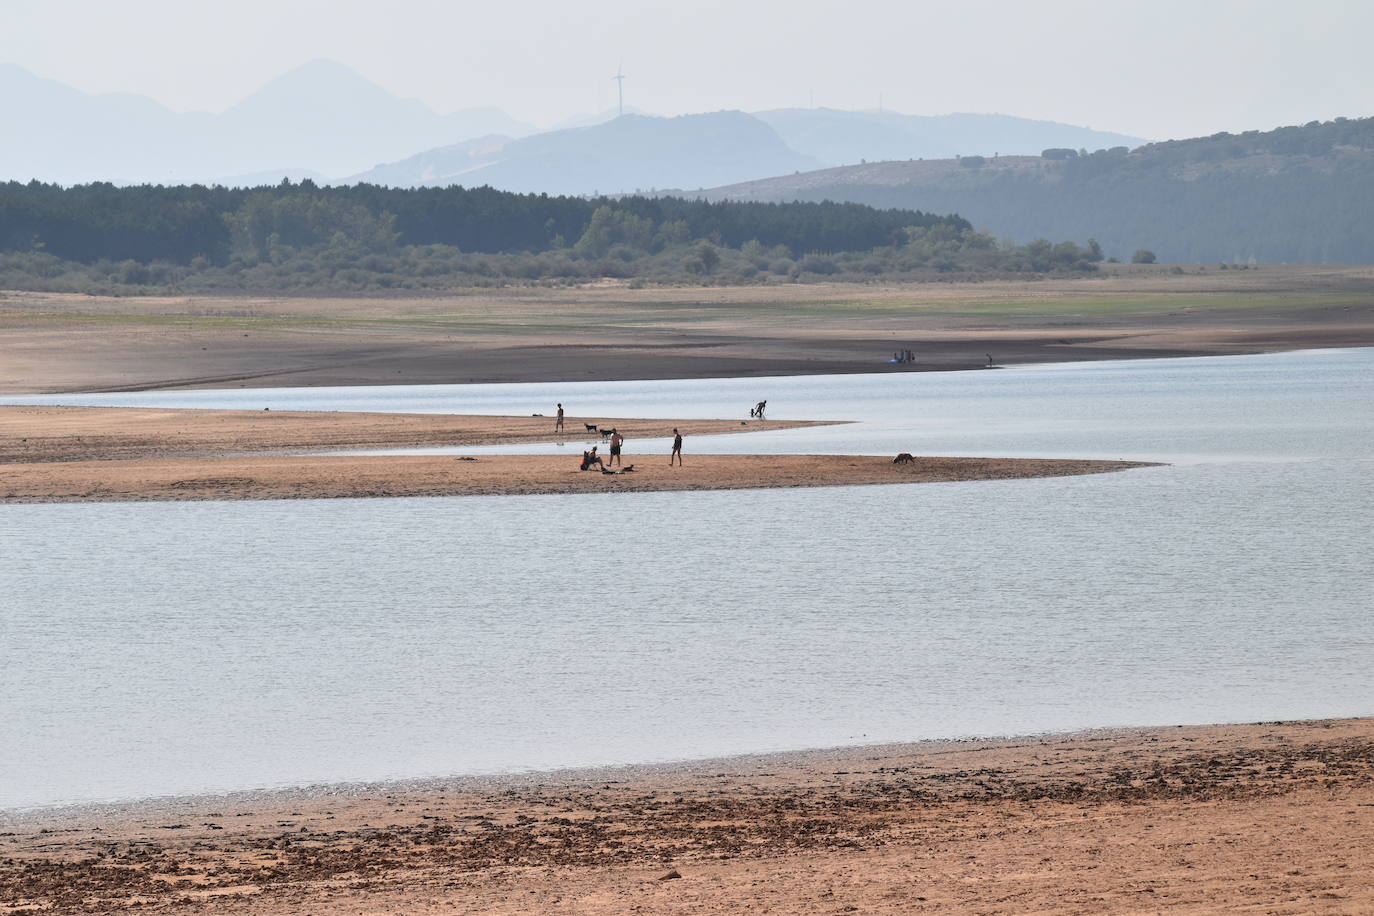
677,448
558,423
616,441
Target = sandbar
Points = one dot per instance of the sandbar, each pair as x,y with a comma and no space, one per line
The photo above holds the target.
115,454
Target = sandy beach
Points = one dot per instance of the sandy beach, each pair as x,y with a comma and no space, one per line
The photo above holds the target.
76,454
1275,817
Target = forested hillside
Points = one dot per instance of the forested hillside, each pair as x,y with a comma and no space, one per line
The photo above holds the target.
298,236
1292,195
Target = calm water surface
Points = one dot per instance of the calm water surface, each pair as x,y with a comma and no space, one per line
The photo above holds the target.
168,648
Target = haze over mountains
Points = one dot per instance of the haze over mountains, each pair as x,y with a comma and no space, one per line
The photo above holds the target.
630,153
321,118
326,122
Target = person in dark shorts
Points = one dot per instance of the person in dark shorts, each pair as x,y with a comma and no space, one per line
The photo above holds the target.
616,441
677,448
558,423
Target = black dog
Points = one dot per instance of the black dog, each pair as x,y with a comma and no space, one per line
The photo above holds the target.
591,427
903,458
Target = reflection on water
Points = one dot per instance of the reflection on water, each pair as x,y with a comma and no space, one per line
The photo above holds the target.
160,648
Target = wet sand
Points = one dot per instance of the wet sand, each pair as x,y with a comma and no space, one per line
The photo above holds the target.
110,454
1274,817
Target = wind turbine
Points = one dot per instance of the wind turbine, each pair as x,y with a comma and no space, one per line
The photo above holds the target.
620,88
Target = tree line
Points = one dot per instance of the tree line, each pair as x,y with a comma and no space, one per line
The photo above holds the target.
103,238
180,223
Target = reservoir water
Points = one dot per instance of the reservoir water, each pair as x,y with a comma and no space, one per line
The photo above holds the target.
164,648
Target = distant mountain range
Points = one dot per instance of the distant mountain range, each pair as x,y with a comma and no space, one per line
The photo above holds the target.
326,122
1295,194
321,118
687,153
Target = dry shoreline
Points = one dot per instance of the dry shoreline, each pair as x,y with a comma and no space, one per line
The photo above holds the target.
110,454
68,343
1276,817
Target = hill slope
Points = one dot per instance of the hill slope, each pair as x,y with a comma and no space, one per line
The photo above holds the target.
1295,194
839,137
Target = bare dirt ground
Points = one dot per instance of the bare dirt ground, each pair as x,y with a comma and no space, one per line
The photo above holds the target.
109,454
58,342
1273,818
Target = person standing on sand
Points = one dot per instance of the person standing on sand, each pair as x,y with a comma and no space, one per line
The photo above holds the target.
677,448
616,441
558,423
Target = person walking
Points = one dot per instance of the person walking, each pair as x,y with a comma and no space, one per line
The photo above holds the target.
616,441
558,423
677,448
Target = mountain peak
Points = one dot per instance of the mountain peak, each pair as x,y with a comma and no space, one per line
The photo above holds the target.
326,83
319,70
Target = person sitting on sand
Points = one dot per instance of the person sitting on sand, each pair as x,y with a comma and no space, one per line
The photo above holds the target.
594,459
616,441
677,448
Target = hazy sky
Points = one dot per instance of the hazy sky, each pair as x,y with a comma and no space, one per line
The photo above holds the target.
1151,68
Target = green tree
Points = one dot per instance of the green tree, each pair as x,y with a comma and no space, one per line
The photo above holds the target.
1143,256
609,227
704,258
